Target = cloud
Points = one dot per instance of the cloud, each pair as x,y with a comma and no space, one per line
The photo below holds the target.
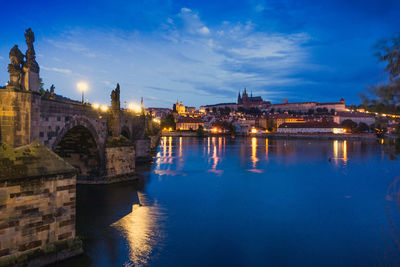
204,30
64,71
184,58
185,10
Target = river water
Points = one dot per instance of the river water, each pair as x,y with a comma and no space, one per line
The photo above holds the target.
248,202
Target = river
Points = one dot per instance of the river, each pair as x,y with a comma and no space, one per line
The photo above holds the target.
220,201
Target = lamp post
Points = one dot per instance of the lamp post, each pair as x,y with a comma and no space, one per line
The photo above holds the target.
82,86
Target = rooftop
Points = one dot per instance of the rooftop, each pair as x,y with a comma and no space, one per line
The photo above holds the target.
189,120
311,124
354,114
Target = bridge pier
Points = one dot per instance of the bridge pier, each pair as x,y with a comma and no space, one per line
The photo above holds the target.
37,207
49,143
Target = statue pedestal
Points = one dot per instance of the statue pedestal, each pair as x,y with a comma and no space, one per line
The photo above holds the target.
31,81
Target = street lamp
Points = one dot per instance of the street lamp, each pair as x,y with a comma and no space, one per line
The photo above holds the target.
82,86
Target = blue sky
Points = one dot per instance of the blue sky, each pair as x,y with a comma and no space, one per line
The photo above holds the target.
204,52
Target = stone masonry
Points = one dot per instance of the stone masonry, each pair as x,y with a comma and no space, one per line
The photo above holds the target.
37,206
120,158
75,131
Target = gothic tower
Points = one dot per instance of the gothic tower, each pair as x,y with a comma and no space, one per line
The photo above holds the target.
239,101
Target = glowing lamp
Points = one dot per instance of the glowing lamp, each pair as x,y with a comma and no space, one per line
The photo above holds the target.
82,86
134,107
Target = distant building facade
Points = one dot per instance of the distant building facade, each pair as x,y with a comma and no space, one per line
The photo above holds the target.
182,109
354,116
159,112
279,119
306,106
188,123
209,108
311,127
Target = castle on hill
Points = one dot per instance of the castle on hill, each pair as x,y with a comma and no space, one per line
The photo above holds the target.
246,101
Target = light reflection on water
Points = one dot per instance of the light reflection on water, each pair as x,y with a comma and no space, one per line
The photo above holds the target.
142,230
214,149
340,151
307,202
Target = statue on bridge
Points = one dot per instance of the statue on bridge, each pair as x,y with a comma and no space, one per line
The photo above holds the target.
115,112
52,96
15,68
115,98
30,63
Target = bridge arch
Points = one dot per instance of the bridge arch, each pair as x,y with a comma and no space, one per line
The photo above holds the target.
80,145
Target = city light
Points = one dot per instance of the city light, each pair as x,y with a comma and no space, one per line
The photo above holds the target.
104,108
82,87
134,107
95,106
338,130
253,130
156,120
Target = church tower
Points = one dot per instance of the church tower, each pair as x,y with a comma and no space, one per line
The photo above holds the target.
239,101
244,96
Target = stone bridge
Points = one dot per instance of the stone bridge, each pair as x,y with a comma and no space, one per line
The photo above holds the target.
102,144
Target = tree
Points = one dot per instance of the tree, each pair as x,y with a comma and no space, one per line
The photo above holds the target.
168,122
200,131
380,126
363,127
41,87
350,125
226,125
387,95
271,125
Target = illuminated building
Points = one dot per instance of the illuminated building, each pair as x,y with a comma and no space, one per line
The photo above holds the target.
354,116
188,123
306,106
311,127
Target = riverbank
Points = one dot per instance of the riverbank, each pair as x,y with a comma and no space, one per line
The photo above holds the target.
322,136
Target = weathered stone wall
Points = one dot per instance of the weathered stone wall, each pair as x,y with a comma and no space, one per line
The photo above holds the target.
120,161
35,116
143,152
37,206
135,125
36,212
15,117
154,141
57,118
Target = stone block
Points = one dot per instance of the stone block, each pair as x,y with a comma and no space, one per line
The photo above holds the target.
35,184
